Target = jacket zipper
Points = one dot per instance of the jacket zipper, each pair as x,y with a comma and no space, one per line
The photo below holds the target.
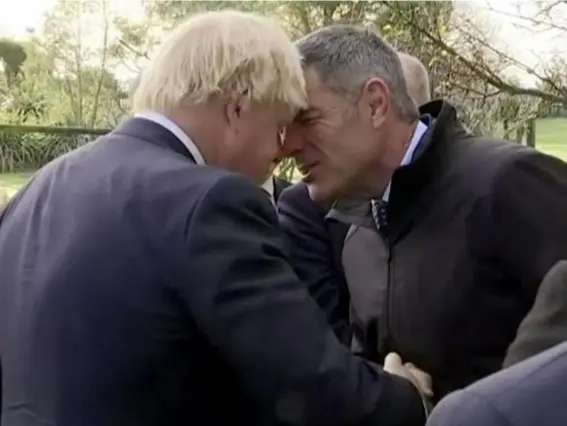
386,345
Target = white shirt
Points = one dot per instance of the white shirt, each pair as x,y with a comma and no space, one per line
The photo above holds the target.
166,123
268,186
406,159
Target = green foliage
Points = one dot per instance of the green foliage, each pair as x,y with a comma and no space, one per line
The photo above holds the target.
287,170
64,75
13,56
29,151
172,12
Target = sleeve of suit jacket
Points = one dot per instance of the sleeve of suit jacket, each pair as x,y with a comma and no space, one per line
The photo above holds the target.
529,205
253,309
546,324
311,255
463,408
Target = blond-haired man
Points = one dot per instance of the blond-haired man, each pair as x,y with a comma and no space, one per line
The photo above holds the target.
144,280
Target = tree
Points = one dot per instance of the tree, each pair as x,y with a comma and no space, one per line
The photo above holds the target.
81,62
466,62
13,56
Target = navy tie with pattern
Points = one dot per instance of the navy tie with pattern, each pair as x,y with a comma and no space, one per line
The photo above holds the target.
380,213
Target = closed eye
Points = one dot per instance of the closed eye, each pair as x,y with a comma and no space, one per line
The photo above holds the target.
306,116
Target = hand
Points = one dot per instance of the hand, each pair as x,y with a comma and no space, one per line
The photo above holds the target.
420,379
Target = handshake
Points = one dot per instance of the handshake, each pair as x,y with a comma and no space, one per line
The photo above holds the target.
422,381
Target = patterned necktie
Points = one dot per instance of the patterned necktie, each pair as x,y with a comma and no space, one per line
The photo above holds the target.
380,213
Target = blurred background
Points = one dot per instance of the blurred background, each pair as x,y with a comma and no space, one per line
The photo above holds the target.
67,67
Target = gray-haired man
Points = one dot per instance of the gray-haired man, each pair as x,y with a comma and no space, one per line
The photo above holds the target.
468,226
318,261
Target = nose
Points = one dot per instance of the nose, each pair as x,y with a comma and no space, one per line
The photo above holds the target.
293,142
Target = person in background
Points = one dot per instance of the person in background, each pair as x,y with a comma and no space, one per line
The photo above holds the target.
532,387
545,325
416,77
316,241
144,276
529,393
468,226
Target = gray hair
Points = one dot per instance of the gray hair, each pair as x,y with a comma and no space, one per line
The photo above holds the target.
347,56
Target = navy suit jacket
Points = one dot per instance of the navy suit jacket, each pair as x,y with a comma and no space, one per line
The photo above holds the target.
530,393
316,255
279,186
138,288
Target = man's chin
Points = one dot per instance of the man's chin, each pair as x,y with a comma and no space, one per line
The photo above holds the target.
319,193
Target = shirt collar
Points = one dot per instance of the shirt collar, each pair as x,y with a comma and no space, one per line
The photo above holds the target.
268,186
166,123
406,159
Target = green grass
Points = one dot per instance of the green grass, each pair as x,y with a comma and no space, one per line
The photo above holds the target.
11,182
551,138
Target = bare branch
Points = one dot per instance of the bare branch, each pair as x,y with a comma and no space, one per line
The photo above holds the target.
137,53
478,69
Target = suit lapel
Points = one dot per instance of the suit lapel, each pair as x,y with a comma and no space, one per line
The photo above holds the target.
279,186
150,132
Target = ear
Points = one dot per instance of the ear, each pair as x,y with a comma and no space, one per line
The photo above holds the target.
376,98
236,106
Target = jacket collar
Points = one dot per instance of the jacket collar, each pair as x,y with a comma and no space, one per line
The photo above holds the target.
153,133
410,180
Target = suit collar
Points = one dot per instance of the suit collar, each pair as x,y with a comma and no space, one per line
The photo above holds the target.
418,133
153,133
430,156
179,133
269,187
279,186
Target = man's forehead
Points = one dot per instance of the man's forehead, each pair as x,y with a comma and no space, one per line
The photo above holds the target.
319,97
313,81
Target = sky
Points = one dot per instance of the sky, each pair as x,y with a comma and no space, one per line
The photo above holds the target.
521,44
511,35
24,14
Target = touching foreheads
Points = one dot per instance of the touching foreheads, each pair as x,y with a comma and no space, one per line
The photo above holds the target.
346,56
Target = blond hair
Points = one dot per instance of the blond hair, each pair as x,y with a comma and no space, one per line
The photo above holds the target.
222,53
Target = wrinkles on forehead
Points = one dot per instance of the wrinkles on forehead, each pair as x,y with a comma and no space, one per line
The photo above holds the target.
321,100
316,98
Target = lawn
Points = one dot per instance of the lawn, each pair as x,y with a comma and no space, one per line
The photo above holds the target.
11,182
551,138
